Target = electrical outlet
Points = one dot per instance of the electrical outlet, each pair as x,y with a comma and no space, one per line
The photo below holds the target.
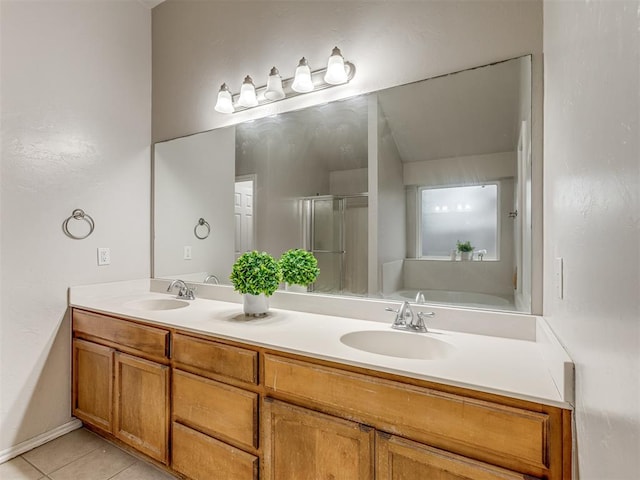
104,256
187,252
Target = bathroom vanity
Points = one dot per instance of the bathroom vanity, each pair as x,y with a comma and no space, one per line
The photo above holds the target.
210,394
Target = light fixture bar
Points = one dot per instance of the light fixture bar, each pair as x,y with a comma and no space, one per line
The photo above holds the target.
317,77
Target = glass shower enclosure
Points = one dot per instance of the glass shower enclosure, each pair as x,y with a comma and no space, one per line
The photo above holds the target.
335,231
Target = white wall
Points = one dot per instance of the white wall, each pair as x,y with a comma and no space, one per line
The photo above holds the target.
194,178
592,220
391,224
76,105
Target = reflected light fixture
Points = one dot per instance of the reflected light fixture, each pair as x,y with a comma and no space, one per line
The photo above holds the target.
274,89
225,102
302,80
336,73
248,93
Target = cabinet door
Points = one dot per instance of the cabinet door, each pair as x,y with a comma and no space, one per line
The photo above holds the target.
301,444
92,384
401,459
141,413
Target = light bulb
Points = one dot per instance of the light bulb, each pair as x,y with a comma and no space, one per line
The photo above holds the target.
225,102
248,94
302,81
274,86
336,74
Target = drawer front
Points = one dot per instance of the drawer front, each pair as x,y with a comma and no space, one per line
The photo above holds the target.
491,432
217,409
200,457
214,359
133,337
400,459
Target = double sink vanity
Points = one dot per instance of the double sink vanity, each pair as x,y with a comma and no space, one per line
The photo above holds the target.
209,393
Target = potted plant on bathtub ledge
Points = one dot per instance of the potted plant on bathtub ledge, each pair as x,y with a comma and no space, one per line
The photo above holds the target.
256,275
465,249
299,267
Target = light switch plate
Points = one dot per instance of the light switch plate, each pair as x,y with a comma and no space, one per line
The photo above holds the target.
187,252
559,277
104,256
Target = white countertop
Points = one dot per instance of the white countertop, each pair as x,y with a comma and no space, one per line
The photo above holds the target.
512,367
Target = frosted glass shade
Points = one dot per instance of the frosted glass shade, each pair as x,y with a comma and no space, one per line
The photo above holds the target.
336,74
248,94
302,81
225,102
274,89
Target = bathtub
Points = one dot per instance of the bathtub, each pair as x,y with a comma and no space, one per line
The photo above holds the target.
452,297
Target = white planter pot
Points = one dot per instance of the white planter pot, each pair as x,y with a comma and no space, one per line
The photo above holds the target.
255,305
466,256
288,287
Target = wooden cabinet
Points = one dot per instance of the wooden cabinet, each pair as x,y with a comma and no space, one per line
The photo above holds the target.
92,384
300,444
227,410
141,413
401,459
123,394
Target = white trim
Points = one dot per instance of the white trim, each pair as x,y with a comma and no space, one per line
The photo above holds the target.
19,449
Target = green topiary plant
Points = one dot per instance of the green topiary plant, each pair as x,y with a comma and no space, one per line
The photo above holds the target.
464,246
256,273
299,267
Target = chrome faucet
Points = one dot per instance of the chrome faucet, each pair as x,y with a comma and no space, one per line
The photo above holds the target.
185,291
420,297
406,320
212,277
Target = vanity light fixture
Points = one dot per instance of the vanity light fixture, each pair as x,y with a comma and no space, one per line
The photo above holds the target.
337,72
274,89
248,97
302,80
225,101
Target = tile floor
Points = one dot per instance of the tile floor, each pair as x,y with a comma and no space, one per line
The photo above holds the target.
79,455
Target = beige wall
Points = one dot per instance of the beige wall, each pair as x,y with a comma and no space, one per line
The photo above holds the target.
197,45
76,104
592,221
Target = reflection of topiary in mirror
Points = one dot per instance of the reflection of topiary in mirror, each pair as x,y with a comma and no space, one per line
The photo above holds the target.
299,267
256,273
465,246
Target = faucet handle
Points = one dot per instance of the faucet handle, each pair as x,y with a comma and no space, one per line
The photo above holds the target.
419,325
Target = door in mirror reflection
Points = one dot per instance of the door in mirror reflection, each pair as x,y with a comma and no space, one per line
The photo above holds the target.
244,216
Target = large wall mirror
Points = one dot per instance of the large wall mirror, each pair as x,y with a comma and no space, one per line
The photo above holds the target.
381,187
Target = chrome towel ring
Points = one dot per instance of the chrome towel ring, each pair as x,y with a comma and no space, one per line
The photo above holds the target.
78,214
202,223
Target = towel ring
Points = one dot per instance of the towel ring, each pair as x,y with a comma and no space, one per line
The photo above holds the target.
78,214
202,222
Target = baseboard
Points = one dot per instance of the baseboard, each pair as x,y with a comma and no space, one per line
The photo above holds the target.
19,449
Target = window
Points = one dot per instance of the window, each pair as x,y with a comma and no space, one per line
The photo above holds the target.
458,213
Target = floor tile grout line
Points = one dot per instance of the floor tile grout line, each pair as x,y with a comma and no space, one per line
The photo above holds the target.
73,461
39,471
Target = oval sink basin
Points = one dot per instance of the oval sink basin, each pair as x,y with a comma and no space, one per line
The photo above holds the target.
398,344
158,304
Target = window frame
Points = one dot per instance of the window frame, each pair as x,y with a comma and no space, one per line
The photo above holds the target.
418,200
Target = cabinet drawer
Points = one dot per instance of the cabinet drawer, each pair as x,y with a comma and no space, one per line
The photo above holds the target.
217,409
214,359
200,457
132,337
400,459
507,436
